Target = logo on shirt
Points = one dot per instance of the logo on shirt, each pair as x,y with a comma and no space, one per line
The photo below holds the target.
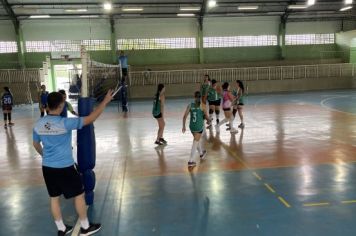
47,126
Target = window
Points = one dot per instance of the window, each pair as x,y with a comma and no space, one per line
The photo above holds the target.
240,41
309,39
8,47
160,43
67,45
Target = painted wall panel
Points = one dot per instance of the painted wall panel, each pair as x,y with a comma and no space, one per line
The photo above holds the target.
231,26
156,28
318,27
7,31
66,29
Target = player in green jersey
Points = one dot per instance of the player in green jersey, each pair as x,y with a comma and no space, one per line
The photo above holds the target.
241,102
214,100
158,111
196,126
204,89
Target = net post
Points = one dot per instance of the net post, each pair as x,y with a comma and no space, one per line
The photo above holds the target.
84,60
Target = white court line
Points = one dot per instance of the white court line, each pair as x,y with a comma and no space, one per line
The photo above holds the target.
76,229
322,104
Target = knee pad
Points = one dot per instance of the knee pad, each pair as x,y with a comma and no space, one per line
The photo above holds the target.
211,111
217,112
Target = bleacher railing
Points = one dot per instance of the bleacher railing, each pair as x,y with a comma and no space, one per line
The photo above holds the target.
245,74
24,84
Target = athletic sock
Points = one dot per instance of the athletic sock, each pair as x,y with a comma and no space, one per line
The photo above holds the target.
60,225
84,223
231,122
194,149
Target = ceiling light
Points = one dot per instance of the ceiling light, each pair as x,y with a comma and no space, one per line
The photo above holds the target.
346,8
184,15
107,6
211,3
132,9
190,8
248,7
348,2
40,16
311,2
76,10
297,6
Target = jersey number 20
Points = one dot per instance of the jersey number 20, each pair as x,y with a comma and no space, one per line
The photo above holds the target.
7,100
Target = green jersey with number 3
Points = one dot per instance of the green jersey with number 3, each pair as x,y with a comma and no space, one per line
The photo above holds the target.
196,118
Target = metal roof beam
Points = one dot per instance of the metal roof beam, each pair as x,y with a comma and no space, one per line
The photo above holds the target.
11,14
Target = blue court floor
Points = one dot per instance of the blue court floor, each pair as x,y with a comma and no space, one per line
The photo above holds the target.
291,171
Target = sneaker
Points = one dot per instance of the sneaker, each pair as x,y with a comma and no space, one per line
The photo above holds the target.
242,125
163,141
209,126
234,131
159,143
93,228
11,124
203,156
228,125
68,230
191,164
227,129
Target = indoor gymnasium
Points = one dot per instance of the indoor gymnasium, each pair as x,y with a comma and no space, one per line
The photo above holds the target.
171,118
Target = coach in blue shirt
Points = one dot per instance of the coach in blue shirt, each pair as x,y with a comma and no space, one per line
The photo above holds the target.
52,139
123,62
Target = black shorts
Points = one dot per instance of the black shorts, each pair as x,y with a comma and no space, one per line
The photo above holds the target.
7,107
66,181
240,104
158,116
124,71
215,103
227,109
200,132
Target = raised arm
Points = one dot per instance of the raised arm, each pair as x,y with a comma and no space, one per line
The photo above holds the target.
97,112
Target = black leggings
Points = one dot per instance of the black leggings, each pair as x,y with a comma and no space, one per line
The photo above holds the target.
7,116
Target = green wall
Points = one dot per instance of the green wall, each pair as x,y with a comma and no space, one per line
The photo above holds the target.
35,59
227,55
9,60
191,56
305,52
164,56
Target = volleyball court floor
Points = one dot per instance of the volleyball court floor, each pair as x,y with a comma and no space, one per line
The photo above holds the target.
291,171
